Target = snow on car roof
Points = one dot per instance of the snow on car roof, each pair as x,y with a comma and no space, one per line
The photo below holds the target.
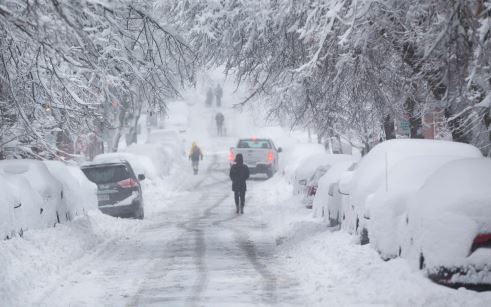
463,185
370,172
309,164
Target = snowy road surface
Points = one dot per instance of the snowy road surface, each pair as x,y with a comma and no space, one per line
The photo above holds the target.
195,252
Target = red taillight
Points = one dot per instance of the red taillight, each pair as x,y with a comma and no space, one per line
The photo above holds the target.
481,240
128,183
231,156
270,156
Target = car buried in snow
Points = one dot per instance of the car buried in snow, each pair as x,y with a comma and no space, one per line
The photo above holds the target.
310,165
447,228
260,155
374,171
327,201
119,191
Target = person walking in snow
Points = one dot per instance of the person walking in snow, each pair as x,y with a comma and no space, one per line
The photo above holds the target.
218,95
209,97
195,154
219,118
239,173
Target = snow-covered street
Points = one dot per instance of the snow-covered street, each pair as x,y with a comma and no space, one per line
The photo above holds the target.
193,250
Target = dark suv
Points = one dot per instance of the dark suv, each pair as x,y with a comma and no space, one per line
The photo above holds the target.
118,189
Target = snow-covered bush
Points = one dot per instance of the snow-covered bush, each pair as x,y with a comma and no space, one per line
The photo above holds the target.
50,190
79,194
371,172
322,200
448,222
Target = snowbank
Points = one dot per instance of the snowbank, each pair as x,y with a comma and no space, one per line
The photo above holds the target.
39,259
156,155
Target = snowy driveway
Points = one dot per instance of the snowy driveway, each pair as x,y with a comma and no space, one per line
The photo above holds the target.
194,252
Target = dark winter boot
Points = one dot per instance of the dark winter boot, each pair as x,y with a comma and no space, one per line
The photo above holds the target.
241,209
237,208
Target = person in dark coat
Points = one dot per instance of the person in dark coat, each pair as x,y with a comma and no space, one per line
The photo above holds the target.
239,173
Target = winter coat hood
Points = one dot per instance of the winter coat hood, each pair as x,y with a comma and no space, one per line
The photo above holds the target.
239,159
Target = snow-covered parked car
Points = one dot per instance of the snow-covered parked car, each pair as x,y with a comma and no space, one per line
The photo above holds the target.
168,138
374,169
447,228
312,185
119,190
309,165
327,200
386,206
52,207
79,194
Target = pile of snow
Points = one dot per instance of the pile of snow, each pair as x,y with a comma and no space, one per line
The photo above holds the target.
43,258
157,160
446,214
370,173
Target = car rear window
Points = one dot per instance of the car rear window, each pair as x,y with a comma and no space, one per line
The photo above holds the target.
107,173
254,144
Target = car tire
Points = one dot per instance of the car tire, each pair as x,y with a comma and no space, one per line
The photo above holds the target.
364,237
269,173
141,214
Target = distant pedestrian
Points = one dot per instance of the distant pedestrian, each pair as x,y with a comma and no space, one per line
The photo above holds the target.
218,95
239,173
195,154
209,97
219,118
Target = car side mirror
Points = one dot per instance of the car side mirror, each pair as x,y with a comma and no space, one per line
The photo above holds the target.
280,149
141,177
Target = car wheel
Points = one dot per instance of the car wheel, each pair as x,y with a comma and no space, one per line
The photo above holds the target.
141,216
269,173
364,237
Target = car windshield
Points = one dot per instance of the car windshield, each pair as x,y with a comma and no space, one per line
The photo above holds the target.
107,173
250,143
